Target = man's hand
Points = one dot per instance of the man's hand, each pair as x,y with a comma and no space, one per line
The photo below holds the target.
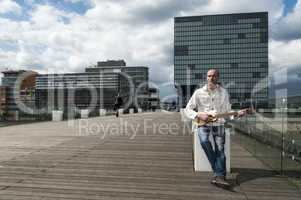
212,113
241,113
203,116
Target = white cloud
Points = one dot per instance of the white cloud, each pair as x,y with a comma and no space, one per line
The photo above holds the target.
274,7
9,6
29,2
11,32
289,27
48,17
285,54
141,32
77,1
6,59
73,1
285,45
24,58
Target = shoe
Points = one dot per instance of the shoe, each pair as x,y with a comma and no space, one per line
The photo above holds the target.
213,180
221,180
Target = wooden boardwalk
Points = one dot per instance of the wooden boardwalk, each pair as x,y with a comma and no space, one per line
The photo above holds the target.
97,159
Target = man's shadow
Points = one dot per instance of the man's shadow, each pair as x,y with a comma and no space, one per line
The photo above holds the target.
239,176
243,175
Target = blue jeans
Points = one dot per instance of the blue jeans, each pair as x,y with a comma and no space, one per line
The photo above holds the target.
215,156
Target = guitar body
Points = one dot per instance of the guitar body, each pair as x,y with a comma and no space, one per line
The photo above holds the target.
200,122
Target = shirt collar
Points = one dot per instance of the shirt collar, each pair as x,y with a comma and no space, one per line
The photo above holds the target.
205,88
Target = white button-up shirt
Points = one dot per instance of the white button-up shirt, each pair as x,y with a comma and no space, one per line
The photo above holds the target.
203,100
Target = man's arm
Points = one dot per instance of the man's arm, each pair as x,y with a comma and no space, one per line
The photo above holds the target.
191,105
226,106
190,109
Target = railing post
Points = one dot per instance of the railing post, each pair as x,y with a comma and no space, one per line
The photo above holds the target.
282,135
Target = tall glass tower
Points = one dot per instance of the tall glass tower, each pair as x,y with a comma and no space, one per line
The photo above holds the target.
235,44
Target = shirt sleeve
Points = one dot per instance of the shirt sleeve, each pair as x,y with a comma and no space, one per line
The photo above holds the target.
191,106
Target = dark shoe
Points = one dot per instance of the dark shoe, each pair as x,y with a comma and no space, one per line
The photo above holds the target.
221,180
213,180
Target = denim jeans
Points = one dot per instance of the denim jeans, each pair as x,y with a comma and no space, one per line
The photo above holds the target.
215,156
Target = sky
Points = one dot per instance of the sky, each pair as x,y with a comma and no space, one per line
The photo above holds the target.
59,36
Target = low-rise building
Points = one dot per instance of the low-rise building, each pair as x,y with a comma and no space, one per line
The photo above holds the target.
129,81
94,89
19,93
154,98
2,101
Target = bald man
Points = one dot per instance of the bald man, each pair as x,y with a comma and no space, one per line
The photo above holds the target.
207,101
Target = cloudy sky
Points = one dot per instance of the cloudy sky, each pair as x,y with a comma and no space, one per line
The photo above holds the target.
68,35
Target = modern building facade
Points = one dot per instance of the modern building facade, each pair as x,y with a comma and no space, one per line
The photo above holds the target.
154,98
94,89
19,92
235,44
130,81
2,101
70,92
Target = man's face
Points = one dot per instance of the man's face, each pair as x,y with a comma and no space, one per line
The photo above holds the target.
212,77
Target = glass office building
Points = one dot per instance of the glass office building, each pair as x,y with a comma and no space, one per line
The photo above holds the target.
131,79
235,44
93,89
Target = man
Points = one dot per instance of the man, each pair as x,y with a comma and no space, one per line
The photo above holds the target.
118,103
208,101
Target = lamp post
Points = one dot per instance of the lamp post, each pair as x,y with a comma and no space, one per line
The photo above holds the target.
188,83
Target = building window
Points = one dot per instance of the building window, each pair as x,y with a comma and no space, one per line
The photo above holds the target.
241,36
263,65
256,75
227,41
198,76
263,37
181,50
247,95
191,66
255,25
234,65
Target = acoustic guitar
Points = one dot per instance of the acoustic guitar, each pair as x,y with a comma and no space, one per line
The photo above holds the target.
213,118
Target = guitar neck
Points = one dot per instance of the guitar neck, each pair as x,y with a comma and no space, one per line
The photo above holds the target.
226,114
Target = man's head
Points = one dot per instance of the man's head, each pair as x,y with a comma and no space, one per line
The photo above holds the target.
212,76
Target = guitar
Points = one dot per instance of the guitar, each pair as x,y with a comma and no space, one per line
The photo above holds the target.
213,118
